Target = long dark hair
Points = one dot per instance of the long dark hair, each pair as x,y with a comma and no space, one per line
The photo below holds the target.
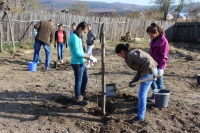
126,47
153,28
73,24
82,25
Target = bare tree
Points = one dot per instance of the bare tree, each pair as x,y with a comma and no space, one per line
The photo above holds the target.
178,9
116,12
163,6
29,5
51,9
193,10
153,14
79,8
135,14
22,5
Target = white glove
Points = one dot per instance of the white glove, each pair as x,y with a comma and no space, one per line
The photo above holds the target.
93,59
160,71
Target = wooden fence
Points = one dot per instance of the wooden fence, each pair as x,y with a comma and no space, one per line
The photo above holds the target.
114,27
187,32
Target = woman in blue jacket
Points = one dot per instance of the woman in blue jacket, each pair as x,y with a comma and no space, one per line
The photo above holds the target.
78,62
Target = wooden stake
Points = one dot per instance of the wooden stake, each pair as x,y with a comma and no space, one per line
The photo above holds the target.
103,71
1,44
12,36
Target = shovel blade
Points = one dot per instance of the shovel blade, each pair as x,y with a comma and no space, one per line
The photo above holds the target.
55,65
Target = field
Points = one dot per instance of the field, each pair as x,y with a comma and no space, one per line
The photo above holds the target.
41,101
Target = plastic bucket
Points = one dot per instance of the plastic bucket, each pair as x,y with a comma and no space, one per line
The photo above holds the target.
198,79
161,97
32,66
110,90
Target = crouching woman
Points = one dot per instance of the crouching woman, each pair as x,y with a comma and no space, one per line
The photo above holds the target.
145,66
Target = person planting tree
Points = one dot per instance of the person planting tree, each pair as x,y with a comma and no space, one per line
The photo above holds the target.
145,66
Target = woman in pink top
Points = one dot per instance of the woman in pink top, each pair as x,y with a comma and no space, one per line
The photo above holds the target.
60,40
159,48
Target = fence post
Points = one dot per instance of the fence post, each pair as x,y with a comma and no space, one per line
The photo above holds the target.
12,36
1,45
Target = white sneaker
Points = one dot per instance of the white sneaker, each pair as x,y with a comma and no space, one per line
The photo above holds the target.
88,65
58,62
91,64
61,61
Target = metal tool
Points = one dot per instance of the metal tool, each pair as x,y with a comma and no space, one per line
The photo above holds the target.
111,88
55,63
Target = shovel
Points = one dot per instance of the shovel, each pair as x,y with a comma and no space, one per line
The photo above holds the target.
55,63
111,88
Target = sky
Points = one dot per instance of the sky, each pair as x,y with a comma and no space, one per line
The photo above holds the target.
137,2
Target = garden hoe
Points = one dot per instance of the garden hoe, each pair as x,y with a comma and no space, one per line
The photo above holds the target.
55,63
111,88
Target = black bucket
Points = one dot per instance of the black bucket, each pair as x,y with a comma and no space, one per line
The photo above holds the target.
198,79
161,97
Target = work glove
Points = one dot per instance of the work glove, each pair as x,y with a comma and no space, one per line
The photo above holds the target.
55,45
130,83
93,59
160,71
155,72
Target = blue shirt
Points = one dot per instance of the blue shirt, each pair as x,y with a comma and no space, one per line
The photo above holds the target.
76,49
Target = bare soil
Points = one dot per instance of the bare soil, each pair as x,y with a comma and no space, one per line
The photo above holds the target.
41,101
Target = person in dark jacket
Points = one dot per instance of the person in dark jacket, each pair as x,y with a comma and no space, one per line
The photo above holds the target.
44,38
39,61
60,42
90,43
145,66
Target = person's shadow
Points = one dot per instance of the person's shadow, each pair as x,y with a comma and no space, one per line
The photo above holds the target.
36,105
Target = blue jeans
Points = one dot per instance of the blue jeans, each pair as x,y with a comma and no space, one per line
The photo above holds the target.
158,84
60,49
81,79
47,49
89,50
39,57
142,96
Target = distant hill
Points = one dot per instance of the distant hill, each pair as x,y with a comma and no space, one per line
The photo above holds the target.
94,6
59,5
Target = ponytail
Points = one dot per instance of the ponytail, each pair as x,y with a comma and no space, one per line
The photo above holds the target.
126,47
153,28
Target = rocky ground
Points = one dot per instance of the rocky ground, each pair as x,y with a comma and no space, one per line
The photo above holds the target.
41,101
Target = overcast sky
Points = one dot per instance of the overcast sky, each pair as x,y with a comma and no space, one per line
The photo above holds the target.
138,2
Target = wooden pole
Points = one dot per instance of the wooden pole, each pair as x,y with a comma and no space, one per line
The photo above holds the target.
103,71
12,36
25,32
1,44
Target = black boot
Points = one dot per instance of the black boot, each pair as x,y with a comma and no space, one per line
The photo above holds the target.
136,119
85,97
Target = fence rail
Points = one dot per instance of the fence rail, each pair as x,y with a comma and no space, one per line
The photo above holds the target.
114,27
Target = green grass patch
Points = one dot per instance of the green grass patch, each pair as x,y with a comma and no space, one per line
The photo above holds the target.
18,47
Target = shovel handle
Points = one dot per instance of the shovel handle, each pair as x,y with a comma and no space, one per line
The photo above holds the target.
53,57
141,81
